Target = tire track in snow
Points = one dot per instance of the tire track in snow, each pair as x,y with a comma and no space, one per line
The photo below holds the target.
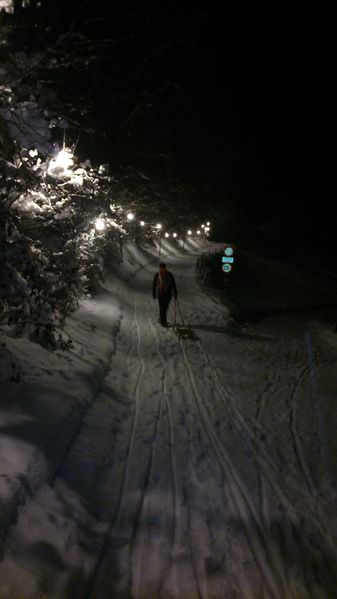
249,441
260,452
171,437
298,449
292,518
261,545
291,414
139,512
137,569
123,489
236,414
295,435
177,516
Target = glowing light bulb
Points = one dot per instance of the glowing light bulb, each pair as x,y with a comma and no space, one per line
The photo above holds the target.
189,232
142,223
130,216
99,224
167,235
202,226
174,234
198,232
158,226
208,224
64,159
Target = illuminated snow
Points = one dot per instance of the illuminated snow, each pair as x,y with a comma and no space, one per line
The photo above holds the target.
100,224
62,163
210,460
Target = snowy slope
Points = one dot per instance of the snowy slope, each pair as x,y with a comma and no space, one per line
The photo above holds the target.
154,467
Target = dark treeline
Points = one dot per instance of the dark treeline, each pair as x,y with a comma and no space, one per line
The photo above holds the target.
236,101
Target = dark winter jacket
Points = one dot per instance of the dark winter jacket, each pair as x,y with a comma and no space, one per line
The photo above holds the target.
169,289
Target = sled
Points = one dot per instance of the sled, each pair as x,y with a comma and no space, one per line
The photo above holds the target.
182,329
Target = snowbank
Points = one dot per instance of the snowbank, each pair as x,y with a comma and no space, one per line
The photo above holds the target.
44,396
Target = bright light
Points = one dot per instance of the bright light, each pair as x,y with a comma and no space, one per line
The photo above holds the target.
7,6
99,224
158,226
174,234
142,224
202,226
63,160
189,232
130,216
167,235
198,232
208,224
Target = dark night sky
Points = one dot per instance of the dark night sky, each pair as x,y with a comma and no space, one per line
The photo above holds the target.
281,79
278,69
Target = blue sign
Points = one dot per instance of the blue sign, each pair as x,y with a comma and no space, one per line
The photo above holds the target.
228,259
226,267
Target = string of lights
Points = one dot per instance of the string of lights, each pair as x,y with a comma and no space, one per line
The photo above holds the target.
103,222
62,165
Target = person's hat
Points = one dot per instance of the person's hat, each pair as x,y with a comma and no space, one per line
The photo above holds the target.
162,265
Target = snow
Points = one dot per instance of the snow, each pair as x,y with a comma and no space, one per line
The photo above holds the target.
26,203
7,6
141,465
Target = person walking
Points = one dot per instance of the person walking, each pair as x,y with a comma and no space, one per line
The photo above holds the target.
164,286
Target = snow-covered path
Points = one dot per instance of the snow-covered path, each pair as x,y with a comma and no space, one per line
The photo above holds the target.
203,469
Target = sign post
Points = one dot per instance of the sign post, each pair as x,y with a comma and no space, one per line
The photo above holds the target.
228,258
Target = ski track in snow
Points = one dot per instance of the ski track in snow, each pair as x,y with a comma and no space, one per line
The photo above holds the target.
239,496
177,486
